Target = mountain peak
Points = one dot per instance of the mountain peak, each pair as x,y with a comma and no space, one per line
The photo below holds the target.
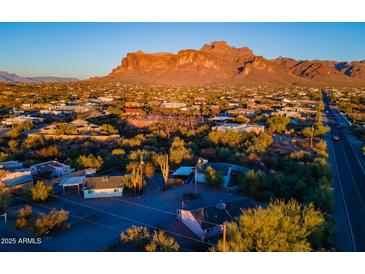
218,62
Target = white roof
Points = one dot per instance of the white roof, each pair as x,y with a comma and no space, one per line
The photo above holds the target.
72,181
183,171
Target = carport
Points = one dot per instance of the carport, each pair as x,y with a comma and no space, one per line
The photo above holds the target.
184,173
72,181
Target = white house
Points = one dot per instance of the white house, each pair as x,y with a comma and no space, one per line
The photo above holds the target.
51,169
103,187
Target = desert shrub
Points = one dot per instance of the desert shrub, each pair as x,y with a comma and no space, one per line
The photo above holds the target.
21,223
52,222
90,161
25,212
137,235
255,184
277,123
213,177
179,152
40,192
162,243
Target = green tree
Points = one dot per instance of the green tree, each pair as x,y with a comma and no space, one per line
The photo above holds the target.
260,143
40,192
279,227
318,130
90,161
255,184
213,177
162,243
277,123
178,151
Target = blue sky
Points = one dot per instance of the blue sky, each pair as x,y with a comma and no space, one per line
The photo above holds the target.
83,50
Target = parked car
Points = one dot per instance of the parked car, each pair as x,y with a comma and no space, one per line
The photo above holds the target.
335,138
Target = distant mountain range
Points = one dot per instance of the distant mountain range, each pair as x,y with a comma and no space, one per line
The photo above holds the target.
13,78
218,62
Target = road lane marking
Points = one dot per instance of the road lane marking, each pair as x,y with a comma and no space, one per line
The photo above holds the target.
343,198
357,157
342,194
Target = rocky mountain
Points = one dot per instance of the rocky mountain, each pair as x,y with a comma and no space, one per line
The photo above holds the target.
218,62
11,77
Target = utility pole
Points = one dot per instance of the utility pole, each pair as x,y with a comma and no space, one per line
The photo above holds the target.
224,237
197,167
141,175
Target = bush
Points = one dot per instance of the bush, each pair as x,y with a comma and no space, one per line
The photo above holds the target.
178,151
162,243
90,161
255,184
213,177
25,212
137,235
108,129
21,223
40,192
53,221
277,123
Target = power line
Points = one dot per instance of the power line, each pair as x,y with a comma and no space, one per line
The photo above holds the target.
172,213
134,221
111,227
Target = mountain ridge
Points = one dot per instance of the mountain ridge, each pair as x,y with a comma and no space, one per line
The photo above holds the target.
14,78
217,62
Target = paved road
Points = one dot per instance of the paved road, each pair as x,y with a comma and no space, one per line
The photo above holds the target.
349,184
